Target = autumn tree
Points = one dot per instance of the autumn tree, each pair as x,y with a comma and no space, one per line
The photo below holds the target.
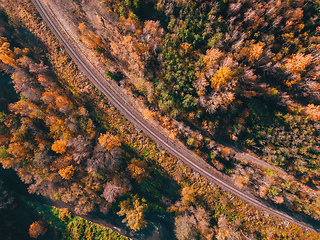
298,62
109,141
19,150
313,111
98,160
88,37
134,210
6,54
183,229
255,51
188,195
200,85
138,170
296,65
111,191
221,77
59,146
114,158
212,57
63,104
226,230
36,229
49,99
90,129
152,34
148,114
65,214
201,220
67,172
81,148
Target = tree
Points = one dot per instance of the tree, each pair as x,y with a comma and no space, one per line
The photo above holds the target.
220,78
59,146
296,65
90,129
187,195
200,85
152,34
111,191
202,218
183,229
134,210
212,57
225,230
109,141
97,161
49,99
255,51
88,37
67,172
6,55
114,159
138,170
298,62
36,229
313,111
3,152
148,114
63,104
81,148
19,150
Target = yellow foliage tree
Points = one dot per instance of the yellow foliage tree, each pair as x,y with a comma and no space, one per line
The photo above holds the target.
109,141
59,146
220,78
6,55
187,196
90,129
134,211
65,214
67,172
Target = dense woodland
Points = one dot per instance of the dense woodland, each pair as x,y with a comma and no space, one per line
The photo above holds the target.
244,70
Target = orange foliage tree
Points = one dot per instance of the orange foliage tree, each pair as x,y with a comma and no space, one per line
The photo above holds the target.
59,146
36,229
313,111
297,64
138,170
6,55
67,172
109,141
88,37
255,51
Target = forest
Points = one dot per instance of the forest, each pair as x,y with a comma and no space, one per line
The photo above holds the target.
244,73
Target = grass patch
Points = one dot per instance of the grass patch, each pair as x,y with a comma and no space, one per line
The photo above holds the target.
72,227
